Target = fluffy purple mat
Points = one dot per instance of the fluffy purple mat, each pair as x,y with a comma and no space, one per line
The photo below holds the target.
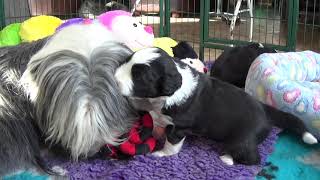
197,160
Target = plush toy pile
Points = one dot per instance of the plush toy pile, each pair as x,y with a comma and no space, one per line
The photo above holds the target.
32,29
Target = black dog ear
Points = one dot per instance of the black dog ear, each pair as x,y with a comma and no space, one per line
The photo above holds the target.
183,50
140,71
171,82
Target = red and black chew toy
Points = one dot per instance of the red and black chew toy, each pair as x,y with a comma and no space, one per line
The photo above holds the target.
140,140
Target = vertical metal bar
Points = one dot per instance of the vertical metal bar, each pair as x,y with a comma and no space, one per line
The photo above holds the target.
161,14
194,21
167,17
147,12
305,23
203,26
2,15
280,24
260,19
293,24
206,9
274,19
313,19
266,30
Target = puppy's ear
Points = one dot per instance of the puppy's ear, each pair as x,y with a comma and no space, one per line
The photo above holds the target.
171,82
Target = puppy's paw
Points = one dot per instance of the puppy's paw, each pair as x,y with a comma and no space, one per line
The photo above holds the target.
161,153
227,159
164,152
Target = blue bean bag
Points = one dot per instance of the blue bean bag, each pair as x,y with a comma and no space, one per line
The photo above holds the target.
289,82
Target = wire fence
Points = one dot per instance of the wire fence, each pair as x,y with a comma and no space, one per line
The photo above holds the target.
209,25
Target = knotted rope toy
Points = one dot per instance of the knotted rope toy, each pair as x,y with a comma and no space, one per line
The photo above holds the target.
140,141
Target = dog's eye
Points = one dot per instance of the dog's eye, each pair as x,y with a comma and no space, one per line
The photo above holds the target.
191,62
135,25
140,23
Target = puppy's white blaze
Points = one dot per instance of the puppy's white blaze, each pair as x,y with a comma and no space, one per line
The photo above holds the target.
261,45
189,84
169,149
309,138
144,56
30,86
227,159
123,73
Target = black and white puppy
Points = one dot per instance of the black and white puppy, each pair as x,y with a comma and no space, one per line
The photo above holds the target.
233,64
205,106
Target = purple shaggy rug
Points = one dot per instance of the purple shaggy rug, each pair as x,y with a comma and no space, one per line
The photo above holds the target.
198,159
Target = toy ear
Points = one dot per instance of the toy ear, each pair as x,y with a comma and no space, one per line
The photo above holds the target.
183,50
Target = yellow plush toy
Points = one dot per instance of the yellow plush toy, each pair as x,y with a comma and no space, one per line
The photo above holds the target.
165,43
38,27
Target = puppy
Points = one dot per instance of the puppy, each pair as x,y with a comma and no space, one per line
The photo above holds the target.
205,106
233,64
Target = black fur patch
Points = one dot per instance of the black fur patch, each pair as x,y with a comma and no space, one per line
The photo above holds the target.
233,64
160,77
183,50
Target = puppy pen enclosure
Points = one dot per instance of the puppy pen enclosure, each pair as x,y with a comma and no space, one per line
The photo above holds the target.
209,25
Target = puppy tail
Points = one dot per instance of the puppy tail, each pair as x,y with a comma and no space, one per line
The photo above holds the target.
291,122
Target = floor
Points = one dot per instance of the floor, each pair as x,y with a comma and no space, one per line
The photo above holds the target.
267,28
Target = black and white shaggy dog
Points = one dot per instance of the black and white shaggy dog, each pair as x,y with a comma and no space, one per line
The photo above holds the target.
61,91
233,64
202,105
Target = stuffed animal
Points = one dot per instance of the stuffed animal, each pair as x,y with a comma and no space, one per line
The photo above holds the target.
128,29
187,55
38,27
9,36
125,28
140,140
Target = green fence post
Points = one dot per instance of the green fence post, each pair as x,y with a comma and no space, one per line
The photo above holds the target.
202,19
161,14
204,26
2,15
293,24
167,15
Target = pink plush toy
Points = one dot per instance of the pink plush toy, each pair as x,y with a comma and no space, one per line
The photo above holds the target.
124,28
128,29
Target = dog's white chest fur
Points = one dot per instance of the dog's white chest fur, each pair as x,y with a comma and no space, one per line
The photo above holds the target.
189,84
